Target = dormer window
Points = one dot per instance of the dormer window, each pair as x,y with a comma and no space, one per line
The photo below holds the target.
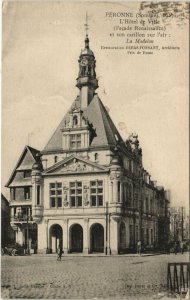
75,141
96,156
75,120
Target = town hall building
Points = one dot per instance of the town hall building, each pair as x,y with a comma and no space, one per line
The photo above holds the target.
87,189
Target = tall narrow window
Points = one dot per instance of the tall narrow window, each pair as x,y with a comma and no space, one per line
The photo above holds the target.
142,235
55,159
96,156
56,195
147,206
75,120
129,196
151,236
96,193
119,190
137,234
26,192
136,200
75,193
38,195
75,141
151,206
131,235
147,236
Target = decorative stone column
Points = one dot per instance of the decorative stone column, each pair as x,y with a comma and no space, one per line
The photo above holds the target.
116,173
114,234
65,236
108,242
43,238
37,208
86,235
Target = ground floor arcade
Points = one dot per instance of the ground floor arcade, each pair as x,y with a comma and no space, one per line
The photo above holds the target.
94,235
108,235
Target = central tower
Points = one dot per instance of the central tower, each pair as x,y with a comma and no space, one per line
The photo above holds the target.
86,81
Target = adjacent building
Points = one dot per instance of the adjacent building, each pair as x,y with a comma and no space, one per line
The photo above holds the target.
7,233
87,189
179,224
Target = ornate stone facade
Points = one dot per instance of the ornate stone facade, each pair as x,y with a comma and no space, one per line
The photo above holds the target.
87,189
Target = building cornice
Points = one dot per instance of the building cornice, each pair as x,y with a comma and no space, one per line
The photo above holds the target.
93,148
75,173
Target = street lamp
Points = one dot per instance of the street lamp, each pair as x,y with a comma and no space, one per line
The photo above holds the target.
106,250
140,205
182,223
27,235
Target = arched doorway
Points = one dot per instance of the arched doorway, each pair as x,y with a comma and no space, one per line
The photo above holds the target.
55,237
97,238
76,238
122,237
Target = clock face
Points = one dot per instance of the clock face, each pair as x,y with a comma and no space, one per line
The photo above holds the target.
84,62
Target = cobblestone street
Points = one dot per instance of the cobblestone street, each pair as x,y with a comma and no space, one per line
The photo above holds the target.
126,277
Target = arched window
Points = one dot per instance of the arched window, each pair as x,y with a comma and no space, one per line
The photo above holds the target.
122,235
75,120
55,159
96,156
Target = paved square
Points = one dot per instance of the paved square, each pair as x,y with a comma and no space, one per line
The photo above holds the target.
77,277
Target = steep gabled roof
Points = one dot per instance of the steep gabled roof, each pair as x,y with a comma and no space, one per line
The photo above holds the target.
33,152
106,132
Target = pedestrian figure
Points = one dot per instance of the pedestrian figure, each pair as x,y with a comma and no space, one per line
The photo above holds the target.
175,248
59,253
139,247
182,247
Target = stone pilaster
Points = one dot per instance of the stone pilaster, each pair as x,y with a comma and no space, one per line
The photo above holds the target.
114,238
86,240
65,237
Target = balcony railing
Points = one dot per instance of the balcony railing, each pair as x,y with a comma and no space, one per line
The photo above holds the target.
21,218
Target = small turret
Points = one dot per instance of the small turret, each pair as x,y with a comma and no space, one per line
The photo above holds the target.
36,172
37,208
86,81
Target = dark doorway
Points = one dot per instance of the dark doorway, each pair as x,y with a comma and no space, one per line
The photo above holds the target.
97,238
55,237
122,236
30,238
76,235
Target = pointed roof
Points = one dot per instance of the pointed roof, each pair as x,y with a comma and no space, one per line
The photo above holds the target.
97,115
87,50
33,153
106,132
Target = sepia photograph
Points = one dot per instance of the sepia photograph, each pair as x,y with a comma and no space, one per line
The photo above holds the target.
95,150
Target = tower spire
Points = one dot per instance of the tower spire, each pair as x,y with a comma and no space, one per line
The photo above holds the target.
87,81
86,25
86,29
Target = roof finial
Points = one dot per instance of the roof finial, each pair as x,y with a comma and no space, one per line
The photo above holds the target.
86,25
86,28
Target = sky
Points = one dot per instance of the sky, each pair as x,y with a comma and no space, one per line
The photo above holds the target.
145,94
